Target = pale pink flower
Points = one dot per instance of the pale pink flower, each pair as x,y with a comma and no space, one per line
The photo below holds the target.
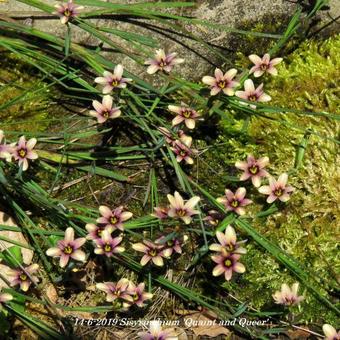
95,230
182,149
184,114
67,11
213,217
156,332
106,245
277,189
254,169
163,62
221,82
235,201
24,151
167,134
116,290
227,263
263,65
110,81
288,296
251,94
104,110
114,218
330,332
138,294
153,252
227,242
4,298
23,276
173,244
160,212
182,210
5,149
170,136
68,248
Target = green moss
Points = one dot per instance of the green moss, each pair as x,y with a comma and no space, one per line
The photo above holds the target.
306,226
28,94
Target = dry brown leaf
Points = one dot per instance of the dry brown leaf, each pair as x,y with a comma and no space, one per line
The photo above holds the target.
298,334
205,324
51,293
27,254
180,333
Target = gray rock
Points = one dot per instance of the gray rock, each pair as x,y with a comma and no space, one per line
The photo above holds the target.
200,59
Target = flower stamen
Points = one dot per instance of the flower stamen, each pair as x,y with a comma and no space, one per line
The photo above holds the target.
68,250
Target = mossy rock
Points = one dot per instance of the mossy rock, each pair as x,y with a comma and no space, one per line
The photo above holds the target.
306,226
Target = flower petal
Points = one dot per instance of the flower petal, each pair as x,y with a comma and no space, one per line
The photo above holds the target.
63,260
176,109
218,270
255,59
105,211
152,69
265,189
239,267
140,247
192,202
145,259
282,181
107,102
118,71
158,261
209,80
218,74
31,143
53,252
240,193
329,331
97,105
249,86
230,235
69,235
229,75
190,123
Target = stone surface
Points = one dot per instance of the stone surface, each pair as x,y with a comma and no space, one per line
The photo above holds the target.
231,13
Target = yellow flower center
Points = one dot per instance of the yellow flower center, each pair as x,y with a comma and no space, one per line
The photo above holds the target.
153,252
99,232
263,67
170,243
181,212
135,297
278,192
114,82
253,169
67,13
228,263
68,250
221,84
187,113
106,114
235,203
22,153
230,247
23,277
107,248
252,98
113,220
162,63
